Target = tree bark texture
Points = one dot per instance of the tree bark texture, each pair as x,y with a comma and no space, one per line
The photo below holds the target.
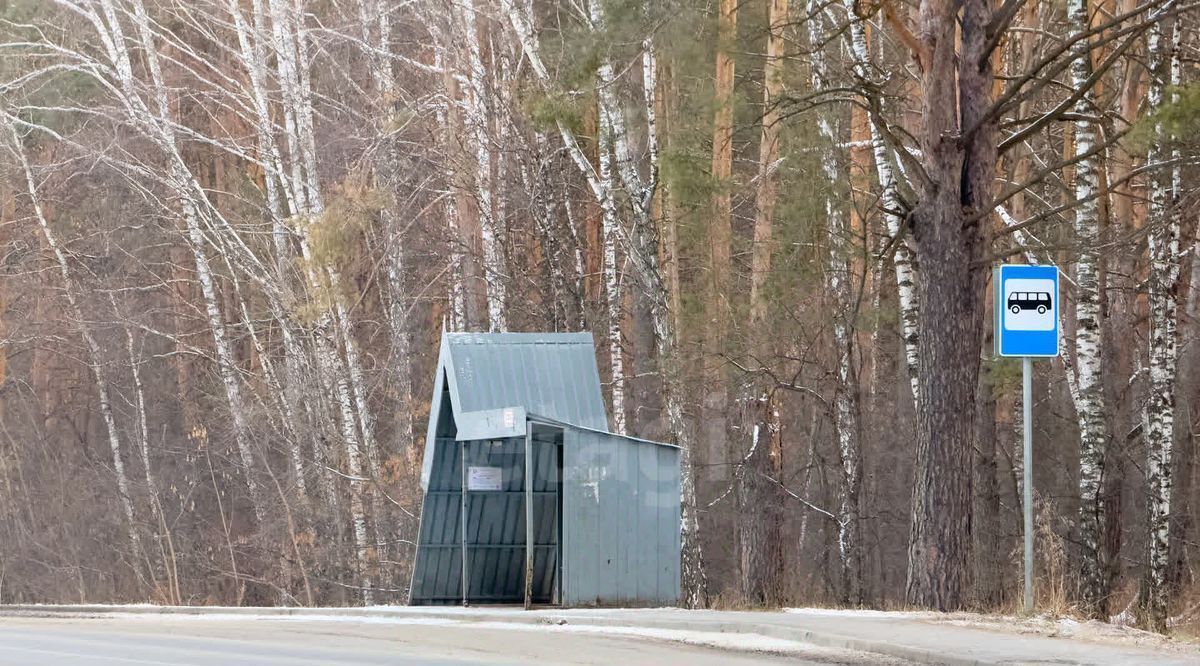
950,228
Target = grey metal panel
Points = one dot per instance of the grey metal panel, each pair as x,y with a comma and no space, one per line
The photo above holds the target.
666,498
646,577
437,567
580,522
621,520
491,424
552,374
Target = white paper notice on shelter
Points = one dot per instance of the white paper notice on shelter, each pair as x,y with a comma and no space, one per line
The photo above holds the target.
485,478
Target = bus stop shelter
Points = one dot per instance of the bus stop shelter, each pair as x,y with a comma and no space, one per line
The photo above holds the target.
528,499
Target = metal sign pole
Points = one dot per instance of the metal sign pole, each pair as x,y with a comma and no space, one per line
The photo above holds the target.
1025,303
1027,464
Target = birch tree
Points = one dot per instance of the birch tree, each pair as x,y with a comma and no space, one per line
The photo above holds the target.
95,358
1163,286
1089,358
600,183
641,245
891,206
838,282
155,119
477,119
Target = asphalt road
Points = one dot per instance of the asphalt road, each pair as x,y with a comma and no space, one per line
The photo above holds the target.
154,641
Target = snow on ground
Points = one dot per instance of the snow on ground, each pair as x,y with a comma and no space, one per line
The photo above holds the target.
745,642
629,621
1040,625
857,612
1065,627
742,642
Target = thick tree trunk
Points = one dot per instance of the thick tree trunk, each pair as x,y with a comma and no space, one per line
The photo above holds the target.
761,556
714,394
990,550
949,224
760,528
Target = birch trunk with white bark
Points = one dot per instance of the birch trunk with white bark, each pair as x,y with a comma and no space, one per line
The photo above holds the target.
612,132
893,213
845,401
95,359
642,254
337,352
612,281
252,48
1089,352
477,118
341,312
1163,286
157,123
449,125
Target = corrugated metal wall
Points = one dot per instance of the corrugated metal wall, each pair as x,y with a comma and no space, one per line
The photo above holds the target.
619,528
620,521
495,525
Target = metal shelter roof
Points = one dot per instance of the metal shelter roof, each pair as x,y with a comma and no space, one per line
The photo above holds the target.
550,374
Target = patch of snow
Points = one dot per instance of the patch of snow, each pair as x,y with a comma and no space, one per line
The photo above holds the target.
729,641
1093,631
323,618
86,606
860,612
743,642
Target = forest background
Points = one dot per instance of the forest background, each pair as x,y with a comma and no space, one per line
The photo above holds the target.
232,232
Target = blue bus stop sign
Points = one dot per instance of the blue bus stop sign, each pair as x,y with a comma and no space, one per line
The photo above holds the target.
1026,308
